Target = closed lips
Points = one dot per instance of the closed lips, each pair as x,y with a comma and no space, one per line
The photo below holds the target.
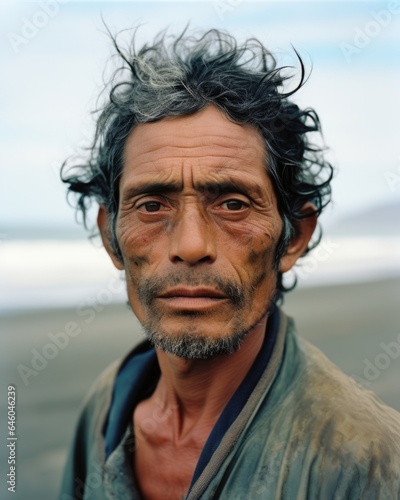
197,292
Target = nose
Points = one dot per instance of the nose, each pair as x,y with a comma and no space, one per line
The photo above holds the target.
192,239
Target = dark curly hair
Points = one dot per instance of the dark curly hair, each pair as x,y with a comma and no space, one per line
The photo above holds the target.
180,75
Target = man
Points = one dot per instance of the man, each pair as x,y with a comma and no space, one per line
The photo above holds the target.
208,191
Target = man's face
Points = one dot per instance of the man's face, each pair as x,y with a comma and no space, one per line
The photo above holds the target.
197,226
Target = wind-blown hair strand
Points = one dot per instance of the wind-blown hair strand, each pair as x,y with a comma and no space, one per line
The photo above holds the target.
180,75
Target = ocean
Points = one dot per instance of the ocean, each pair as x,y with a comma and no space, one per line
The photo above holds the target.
42,274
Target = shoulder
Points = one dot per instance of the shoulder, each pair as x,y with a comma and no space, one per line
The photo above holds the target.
92,414
87,453
341,421
308,383
325,390
85,450
320,434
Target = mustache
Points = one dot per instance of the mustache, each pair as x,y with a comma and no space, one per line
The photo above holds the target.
150,288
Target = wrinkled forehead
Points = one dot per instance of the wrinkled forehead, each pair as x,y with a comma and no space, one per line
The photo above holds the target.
205,143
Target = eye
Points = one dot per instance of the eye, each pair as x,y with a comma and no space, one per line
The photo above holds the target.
150,206
234,205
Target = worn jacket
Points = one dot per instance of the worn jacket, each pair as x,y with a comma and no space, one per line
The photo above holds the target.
307,431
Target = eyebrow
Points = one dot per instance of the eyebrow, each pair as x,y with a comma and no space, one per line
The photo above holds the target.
210,188
214,188
153,187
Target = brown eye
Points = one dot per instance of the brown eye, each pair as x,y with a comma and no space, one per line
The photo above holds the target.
151,206
234,205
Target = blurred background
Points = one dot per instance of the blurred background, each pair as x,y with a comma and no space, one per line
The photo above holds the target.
54,280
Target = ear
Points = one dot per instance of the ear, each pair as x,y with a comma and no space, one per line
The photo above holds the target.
298,245
103,223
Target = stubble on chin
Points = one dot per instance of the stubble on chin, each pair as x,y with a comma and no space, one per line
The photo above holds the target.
194,340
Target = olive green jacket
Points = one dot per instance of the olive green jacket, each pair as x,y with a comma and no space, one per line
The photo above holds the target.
307,431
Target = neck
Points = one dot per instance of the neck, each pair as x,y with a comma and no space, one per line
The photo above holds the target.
194,392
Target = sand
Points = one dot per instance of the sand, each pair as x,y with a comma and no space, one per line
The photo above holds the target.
357,326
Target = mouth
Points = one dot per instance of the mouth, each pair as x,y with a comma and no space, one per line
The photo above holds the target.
192,298
192,292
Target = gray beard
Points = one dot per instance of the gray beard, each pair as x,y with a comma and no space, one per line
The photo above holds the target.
190,345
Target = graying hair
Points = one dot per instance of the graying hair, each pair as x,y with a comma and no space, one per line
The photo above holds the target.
180,75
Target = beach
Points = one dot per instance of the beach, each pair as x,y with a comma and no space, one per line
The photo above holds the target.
53,356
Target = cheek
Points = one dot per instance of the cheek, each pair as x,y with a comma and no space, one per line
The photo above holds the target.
257,242
252,257
260,257
260,230
138,241
262,278
252,250
257,269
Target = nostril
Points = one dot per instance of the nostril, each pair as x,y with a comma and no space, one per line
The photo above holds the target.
191,259
192,251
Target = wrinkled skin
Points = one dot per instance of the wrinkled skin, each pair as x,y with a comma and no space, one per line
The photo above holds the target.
197,227
197,208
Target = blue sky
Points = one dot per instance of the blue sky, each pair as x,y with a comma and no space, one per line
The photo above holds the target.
51,79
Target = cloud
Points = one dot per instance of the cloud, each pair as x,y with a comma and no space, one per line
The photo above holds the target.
52,84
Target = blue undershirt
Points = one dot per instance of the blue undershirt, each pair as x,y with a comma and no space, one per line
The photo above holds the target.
137,379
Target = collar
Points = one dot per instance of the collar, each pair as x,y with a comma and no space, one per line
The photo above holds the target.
138,376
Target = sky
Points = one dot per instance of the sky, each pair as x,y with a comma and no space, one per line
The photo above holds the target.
54,58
